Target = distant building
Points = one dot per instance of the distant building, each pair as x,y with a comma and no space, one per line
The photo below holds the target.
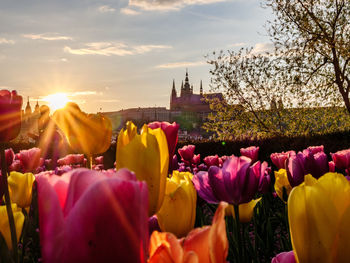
188,109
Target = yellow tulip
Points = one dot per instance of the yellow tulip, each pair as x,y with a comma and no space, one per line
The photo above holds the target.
246,210
5,226
319,216
178,212
147,156
20,188
282,185
86,133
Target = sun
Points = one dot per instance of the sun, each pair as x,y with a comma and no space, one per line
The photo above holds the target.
56,101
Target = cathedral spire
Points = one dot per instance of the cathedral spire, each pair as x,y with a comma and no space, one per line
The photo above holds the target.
201,89
173,91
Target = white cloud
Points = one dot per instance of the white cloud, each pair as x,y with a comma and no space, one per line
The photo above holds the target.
166,5
129,11
106,9
240,44
48,37
261,48
6,41
110,48
182,64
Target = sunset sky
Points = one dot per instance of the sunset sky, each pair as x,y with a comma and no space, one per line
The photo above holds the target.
114,54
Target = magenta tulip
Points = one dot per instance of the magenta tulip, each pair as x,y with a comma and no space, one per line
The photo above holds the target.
265,179
284,257
212,160
196,159
236,182
341,159
87,216
331,165
171,134
71,159
315,149
251,152
10,112
187,153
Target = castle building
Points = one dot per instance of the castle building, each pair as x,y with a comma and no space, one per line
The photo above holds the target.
188,109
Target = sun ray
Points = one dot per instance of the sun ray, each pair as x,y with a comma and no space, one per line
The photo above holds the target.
56,101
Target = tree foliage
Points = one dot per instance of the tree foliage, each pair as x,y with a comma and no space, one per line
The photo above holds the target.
299,88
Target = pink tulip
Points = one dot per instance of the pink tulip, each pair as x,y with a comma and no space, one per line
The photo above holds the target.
29,159
284,257
196,159
279,159
187,153
341,159
87,216
315,149
251,152
331,165
71,159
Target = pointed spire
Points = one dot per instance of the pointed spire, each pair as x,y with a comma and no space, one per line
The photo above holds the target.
173,84
201,89
173,91
186,79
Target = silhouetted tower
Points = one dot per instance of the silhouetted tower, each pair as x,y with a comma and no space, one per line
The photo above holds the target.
37,108
201,89
186,90
173,92
28,110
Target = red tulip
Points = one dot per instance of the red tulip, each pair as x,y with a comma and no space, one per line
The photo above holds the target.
251,152
187,153
88,216
341,159
212,160
279,159
10,112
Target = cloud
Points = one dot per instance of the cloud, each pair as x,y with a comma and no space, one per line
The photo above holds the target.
240,44
129,11
110,48
6,41
167,5
48,37
261,48
106,9
182,64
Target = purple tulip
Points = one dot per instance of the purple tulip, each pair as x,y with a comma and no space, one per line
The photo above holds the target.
251,152
341,159
174,162
187,153
236,182
305,163
86,216
212,160
10,112
265,179
284,257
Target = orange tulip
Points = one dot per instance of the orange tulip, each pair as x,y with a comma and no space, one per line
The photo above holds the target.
208,244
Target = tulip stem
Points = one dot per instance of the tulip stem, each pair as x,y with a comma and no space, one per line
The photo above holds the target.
8,203
238,232
89,160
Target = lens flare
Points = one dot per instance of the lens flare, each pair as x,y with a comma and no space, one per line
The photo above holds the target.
56,101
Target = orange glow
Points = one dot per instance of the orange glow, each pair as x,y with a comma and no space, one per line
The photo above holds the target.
57,100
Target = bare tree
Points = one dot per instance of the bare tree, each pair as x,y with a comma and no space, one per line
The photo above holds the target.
278,92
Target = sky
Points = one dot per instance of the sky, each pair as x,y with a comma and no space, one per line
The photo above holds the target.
110,55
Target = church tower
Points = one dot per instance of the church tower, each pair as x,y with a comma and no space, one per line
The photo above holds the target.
186,90
201,89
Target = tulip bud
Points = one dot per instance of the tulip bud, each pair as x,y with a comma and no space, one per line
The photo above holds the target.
20,188
251,152
5,226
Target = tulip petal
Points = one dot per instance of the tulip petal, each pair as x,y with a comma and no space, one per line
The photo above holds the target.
201,183
164,247
310,213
